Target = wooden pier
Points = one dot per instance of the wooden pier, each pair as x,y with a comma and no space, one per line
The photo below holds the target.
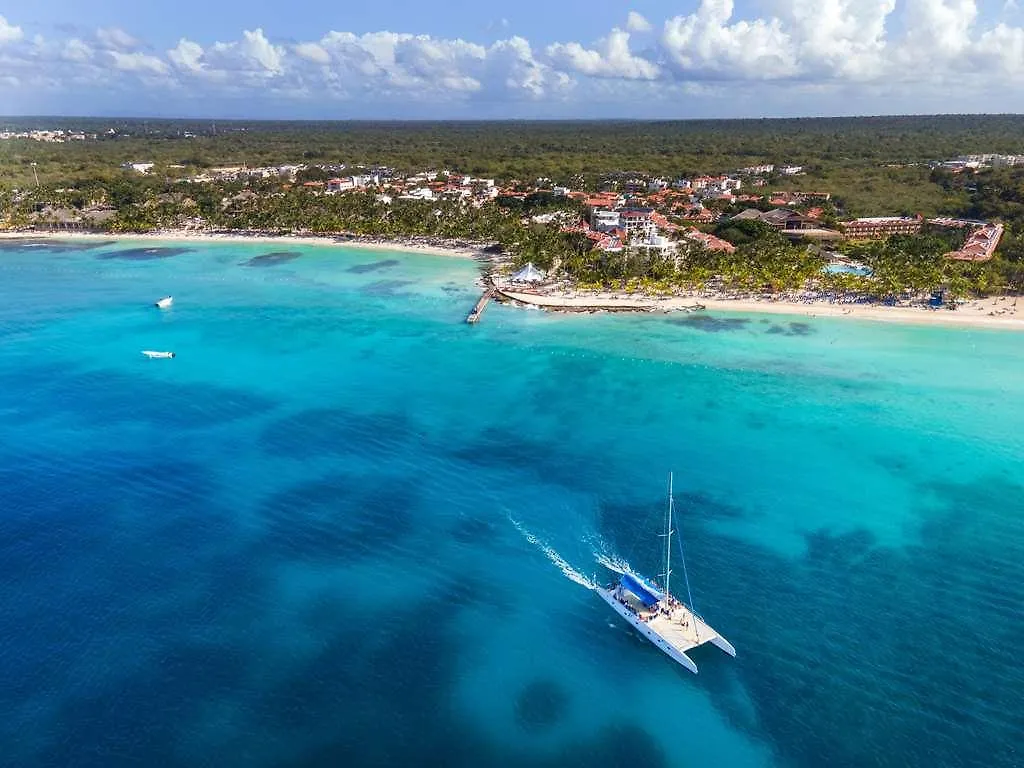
481,305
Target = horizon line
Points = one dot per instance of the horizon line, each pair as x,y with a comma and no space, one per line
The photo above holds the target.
775,118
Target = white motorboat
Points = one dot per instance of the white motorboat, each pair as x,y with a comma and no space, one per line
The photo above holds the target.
154,355
165,302
670,624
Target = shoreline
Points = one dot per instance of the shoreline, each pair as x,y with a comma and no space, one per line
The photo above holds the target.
971,314
398,245
978,313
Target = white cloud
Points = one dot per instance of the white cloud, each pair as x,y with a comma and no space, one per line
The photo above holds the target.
801,54
312,52
258,49
839,38
939,30
512,69
138,62
76,50
637,23
187,56
116,39
8,32
705,45
610,58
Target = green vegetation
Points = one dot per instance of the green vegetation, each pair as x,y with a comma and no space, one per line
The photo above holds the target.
867,163
871,166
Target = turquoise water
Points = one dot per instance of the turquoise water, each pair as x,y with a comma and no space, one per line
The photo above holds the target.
848,269
344,528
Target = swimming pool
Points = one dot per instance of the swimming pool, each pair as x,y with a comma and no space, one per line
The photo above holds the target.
848,269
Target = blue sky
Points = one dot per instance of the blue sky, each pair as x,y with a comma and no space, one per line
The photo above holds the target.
529,59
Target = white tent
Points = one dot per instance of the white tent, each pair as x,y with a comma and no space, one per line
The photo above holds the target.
528,274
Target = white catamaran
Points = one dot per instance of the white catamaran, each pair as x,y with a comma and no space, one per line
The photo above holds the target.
666,621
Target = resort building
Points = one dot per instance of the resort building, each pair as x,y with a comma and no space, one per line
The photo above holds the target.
878,227
781,219
981,245
603,220
638,223
709,241
758,170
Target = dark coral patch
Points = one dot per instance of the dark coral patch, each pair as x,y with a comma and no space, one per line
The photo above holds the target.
790,329
541,705
387,287
710,324
271,259
375,266
338,518
143,254
326,431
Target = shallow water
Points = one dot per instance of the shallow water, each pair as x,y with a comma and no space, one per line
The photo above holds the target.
342,527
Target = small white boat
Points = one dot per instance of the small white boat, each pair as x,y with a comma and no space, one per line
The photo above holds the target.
165,302
669,623
154,355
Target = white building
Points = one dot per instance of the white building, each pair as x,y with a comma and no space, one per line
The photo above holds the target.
420,193
654,242
604,221
638,223
138,167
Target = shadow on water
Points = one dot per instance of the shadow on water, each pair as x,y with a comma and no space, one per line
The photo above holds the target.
271,259
710,323
143,254
374,266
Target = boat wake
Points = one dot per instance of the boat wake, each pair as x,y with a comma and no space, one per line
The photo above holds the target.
571,573
614,563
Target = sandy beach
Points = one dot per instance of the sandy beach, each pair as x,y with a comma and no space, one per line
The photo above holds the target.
999,312
1006,312
406,245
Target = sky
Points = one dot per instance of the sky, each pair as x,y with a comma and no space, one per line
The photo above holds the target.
530,59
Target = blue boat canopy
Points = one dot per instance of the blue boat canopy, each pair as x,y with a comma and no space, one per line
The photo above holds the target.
644,593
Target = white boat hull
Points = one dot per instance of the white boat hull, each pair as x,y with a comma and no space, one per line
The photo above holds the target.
154,355
644,629
673,644
165,302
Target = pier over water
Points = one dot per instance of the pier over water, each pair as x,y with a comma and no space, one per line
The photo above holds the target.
474,316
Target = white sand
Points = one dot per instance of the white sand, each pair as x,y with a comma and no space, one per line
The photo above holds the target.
408,246
1000,312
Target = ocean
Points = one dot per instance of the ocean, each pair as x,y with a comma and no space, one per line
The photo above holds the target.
344,528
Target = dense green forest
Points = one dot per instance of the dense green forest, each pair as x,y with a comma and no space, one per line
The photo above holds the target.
871,164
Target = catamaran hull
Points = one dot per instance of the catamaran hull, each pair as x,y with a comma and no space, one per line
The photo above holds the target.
724,644
656,640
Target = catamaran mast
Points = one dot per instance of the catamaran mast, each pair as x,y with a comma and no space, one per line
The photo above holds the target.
668,537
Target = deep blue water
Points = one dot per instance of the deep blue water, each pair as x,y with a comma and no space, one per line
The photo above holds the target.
341,527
